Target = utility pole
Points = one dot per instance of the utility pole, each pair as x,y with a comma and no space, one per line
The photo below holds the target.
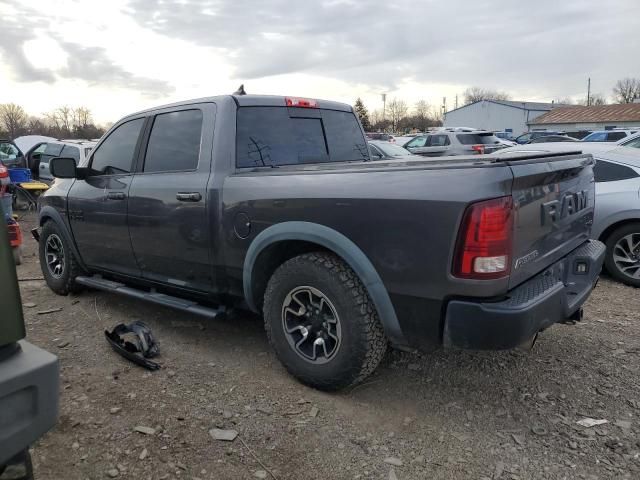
444,106
456,100
589,92
384,104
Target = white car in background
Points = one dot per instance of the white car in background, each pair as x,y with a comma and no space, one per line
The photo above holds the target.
633,141
610,136
39,156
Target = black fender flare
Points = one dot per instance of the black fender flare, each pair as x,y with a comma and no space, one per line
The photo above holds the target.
50,213
341,246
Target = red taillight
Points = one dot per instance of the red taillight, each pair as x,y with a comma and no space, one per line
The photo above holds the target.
4,171
301,102
478,148
483,250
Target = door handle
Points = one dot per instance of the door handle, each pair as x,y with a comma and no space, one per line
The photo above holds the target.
189,197
116,196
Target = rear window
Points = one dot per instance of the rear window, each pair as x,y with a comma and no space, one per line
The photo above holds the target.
271,136
477,139
610,172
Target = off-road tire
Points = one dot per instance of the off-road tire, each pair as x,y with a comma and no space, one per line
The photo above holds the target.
610,264
363,343
66,283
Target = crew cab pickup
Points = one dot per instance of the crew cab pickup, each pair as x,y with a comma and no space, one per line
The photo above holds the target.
272,204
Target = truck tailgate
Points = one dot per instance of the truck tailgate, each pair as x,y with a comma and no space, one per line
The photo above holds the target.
554,199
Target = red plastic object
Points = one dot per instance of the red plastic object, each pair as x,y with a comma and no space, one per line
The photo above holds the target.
301,102
15,235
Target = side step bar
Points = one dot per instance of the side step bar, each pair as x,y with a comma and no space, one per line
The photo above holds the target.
100,283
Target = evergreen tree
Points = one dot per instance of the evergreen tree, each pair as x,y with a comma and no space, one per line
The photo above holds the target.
363,114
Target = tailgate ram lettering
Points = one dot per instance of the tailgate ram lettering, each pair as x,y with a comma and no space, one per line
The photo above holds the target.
569,204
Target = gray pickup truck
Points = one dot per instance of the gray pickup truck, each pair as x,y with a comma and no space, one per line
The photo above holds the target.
28,376
272,204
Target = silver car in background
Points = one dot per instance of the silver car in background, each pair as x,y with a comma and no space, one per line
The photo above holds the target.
617,212
455,141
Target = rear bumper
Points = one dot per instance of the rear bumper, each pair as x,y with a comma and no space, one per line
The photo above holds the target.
28,398
550,297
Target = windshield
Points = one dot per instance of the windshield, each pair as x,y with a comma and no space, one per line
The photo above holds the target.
9,153
392,150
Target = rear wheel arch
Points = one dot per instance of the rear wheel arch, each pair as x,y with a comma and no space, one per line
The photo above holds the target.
606,233
281,242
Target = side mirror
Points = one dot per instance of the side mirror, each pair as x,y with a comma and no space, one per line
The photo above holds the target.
63,167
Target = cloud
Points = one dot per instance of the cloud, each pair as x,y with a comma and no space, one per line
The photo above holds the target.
13,36
93,65
88,63
552,45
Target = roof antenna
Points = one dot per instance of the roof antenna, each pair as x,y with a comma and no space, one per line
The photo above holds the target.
240,90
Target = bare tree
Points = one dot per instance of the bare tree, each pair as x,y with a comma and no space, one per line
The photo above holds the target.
35,126
81,117
65,116
13,119
627,90
594,99
424,116
397,111
476,94
563,101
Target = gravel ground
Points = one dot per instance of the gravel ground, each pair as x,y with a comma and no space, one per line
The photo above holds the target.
443,415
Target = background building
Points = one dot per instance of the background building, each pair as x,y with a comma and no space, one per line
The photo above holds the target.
497,115
599,117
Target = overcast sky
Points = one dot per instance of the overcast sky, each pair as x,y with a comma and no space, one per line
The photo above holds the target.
118,56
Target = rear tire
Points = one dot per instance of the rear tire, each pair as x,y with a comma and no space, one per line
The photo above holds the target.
57,261
321,322
622,259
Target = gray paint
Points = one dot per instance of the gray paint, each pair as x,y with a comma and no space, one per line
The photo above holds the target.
341,246
400,219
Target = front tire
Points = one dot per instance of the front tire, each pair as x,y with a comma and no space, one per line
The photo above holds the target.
623,254
321,322
57,261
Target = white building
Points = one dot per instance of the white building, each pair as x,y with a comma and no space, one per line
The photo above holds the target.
497,115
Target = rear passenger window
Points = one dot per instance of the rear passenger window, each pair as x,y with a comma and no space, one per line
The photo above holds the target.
344,136
439,141
615,136
174,143
53,149
269,136
115,153
611,172
71,152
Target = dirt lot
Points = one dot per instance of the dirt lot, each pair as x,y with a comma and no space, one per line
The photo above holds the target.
448,414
